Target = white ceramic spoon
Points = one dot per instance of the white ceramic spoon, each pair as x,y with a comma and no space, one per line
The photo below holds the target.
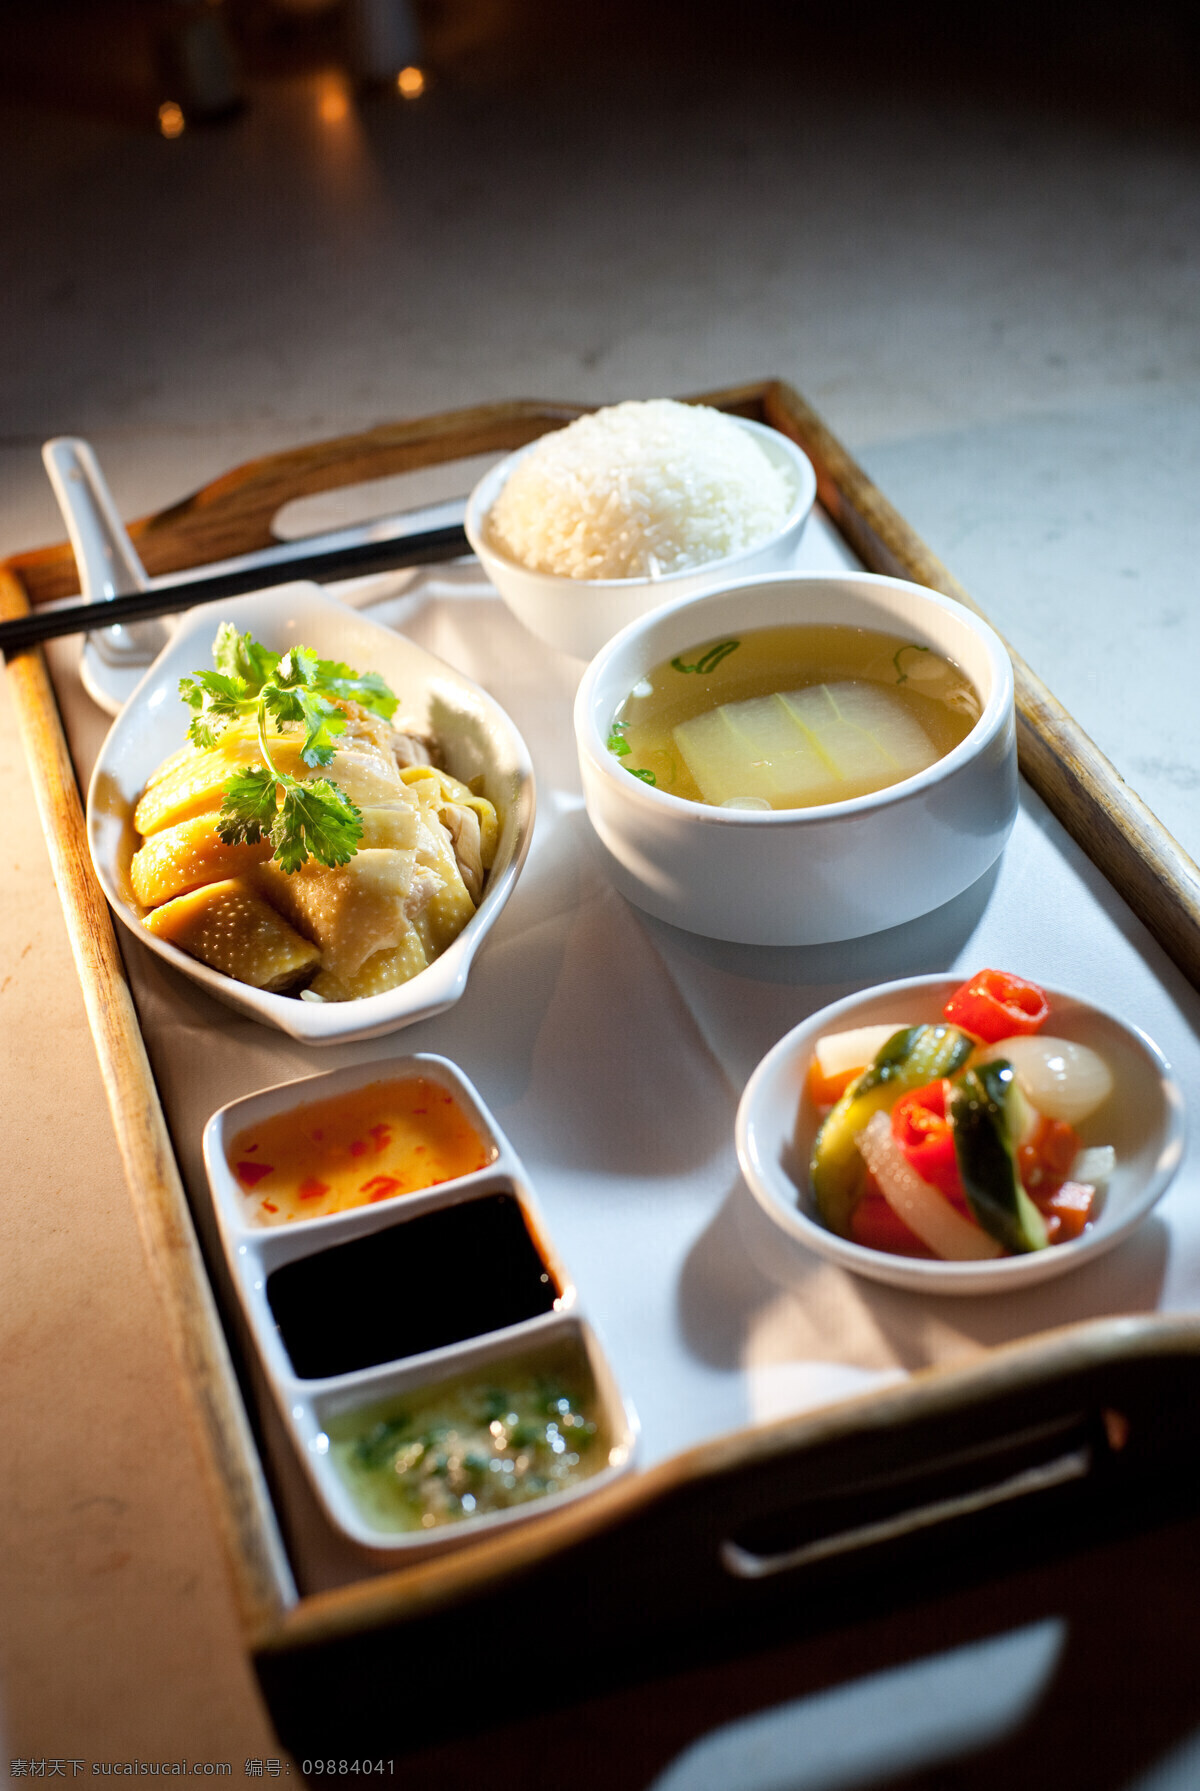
113,659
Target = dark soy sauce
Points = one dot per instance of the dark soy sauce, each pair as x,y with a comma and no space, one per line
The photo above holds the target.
446,1276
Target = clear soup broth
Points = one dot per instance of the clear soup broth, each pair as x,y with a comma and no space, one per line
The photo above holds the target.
793,717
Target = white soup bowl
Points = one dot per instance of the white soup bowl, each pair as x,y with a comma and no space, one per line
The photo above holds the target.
804,876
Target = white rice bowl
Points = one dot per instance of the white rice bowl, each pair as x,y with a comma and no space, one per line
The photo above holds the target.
640,490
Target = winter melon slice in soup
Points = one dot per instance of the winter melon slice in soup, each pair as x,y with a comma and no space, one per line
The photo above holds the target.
759,748
793,717
864,731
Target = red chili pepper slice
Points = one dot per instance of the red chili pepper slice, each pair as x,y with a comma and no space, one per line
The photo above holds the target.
922,1131
874,1225
250,1173
994,1005
380,1187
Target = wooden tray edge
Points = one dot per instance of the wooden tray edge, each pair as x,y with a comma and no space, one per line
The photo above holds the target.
1080,787
1126,841
262,1580
411,1592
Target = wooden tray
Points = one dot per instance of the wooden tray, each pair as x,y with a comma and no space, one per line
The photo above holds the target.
1079,1415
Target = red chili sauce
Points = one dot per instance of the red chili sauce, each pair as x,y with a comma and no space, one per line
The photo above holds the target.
374,1143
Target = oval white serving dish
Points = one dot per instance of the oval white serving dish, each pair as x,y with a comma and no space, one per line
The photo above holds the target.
307,1404
577,615
474,735
804,876
1143,1120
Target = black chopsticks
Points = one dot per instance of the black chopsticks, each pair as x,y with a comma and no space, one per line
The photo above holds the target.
347,553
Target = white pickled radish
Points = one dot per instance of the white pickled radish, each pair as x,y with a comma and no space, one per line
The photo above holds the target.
923,1208
1094,1165
838,1052
1061,1079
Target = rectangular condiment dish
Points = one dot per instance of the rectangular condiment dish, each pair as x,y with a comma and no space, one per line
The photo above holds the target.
234,1205
317,1408
310,1379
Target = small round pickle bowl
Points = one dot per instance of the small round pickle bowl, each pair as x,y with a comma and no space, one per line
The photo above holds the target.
803,876
1143,1119
577,615
476,740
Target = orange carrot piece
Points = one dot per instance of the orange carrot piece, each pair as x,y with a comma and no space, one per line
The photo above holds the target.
1044,1159
824,1091
1068,1210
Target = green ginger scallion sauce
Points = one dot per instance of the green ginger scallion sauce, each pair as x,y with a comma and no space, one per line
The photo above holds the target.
472,1445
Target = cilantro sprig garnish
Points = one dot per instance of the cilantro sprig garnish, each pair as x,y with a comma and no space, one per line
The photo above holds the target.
302,818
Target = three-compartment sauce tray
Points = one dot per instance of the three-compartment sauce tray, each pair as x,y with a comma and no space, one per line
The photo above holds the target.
419,1332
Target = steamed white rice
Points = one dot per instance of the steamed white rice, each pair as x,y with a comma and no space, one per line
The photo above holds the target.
640,490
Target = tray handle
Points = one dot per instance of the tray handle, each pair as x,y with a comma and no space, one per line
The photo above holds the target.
748,1563
233,514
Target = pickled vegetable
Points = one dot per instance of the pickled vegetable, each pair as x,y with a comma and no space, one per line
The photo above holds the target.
996,1005
980,1158
921,1207
987,1112
911,1057
1062,1079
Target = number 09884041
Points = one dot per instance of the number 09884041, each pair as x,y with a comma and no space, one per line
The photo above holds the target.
346,1768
